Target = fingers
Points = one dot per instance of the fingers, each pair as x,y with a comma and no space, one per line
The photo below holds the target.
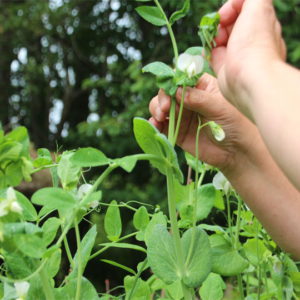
218,56
164,101
155,110
230,11
161,126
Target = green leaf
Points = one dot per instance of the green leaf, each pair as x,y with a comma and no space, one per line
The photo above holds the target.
29,212
43,152
53,264
141,291
152,14
9,291
87,244
175,290
18,265
30,244
156,219
199,265
162,256
124,246
68,172
112,222
194,51
226,261
50,228
212,288
127,163
215,228
153,142
159,69
219,202
68,292
10,151
93,197
42,161
119,266
89,157
206,199
250,248
12,175
141,218
55,198
180,14
191,160
36,290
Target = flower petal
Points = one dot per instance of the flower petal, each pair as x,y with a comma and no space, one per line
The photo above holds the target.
199,62
184,61
22,289
83,190
219,181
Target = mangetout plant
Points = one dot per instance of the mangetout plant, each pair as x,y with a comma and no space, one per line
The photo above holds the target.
187,263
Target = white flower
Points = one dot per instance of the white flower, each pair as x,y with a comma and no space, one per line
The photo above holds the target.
83,190
10,203
220,182
217,131
277,265
22,289
190,64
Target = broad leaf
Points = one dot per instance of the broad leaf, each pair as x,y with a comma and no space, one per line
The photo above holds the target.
180,14
36,290
141,290
43,152
10,151
141,218
159,69
112,222
42,161
191,160
89,157
250,248
153,142
175,290
199,264
50,228
127,163
162,256
158,218
30,244
52,266
119,266
28,212
212,288
152,14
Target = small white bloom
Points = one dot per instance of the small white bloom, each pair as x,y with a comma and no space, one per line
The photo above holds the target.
217,131
22,289
220,182
4,207
10,194
83,190
93,204
15,207
190,64
277,266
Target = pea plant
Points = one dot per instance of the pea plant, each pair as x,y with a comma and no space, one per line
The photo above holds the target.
188,258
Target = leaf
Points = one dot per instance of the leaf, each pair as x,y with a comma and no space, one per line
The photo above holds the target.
199,264
217,229
9,291
53,264
162,256
55,198
30,244
226,261
206,198
12,175
28,212
156,219
119,266
42,161
191,160
112,222
68,292
89,157
219,202
50,228
180,14
141,291
68,172
96,196
152,14
250,248
153,142
212,288
127,163
36,290
175,290
86,244
159,69
141,218
10,151
43,152
124,246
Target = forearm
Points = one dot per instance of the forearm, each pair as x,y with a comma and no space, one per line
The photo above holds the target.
274,100
270,196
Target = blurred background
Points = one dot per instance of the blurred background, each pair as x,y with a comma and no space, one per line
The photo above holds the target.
70,71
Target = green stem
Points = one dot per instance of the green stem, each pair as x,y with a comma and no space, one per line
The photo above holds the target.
197,182
259,266
266,281
106,247
45,282
172,121
180,113
79,259
229,220
248,286
175,230
237,232
44,168
137,278
241,290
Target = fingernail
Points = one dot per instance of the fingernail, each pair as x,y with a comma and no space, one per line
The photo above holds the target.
158,114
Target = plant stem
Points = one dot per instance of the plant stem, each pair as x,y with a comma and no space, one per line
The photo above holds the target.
175,231
266,281
137,278
45,282
43,168
106,247
180,113
240,283
259,266
79,259
229,220
248,288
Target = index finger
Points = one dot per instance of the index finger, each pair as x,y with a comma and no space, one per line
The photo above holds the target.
230,11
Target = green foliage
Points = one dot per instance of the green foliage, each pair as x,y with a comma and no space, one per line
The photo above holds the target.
212,288
152,15
113,224
181,13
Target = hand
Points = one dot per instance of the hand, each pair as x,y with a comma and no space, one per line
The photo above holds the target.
207,101
249,42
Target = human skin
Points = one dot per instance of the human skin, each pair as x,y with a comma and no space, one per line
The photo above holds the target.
242,157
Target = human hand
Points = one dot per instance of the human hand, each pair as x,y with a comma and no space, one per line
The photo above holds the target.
207,101
248,43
